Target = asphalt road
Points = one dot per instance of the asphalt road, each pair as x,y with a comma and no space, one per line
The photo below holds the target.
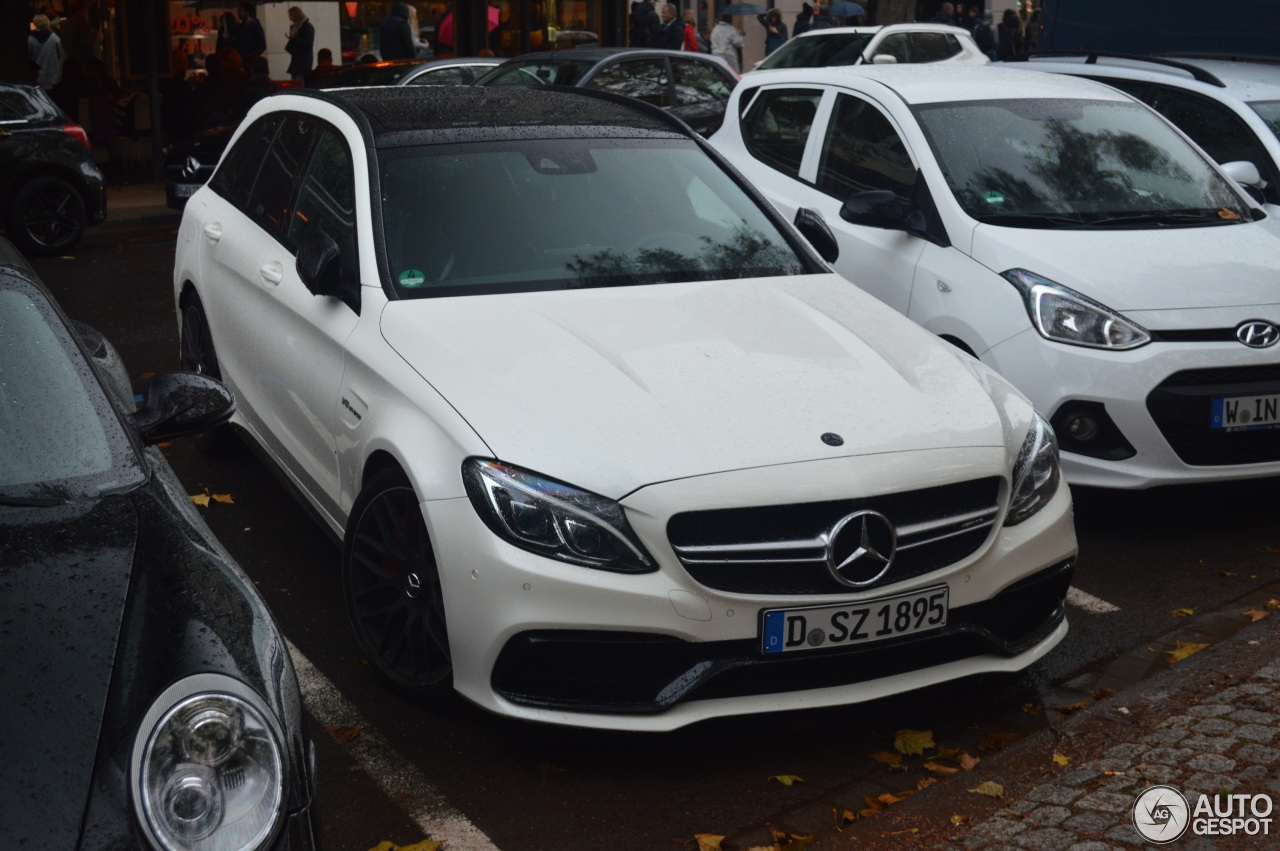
391,771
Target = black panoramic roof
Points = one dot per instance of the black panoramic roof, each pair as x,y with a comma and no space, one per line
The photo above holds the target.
422,114
590,54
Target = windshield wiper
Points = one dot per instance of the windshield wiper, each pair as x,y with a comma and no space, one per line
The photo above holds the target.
1170,217
30,501
1035,220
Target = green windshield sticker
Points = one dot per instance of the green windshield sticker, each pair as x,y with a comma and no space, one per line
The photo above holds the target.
993,198
412,278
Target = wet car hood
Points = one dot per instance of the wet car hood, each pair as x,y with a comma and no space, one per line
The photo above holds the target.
1129,269
612,389
64,579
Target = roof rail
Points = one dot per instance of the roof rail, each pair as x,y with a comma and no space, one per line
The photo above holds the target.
1225,57
1197,73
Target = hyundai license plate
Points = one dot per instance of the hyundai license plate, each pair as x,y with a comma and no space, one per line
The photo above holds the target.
1246,413
185,190
816,627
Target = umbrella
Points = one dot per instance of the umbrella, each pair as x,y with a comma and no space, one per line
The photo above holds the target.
845,9
444,31
742,9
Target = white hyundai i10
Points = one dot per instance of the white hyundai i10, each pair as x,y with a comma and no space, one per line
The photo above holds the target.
606,442
1057,229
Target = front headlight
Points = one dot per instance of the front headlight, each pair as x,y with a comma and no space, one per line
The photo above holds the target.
207,768
1036,474
553,519
1065,316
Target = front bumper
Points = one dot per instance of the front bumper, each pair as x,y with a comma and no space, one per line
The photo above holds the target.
1145,392
547,641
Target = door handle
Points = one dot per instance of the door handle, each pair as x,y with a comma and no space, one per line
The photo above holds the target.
273,273
213,231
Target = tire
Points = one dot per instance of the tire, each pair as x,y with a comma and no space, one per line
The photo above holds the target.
47,216
199,355
392,588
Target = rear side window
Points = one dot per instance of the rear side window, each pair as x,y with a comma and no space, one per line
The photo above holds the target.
443,77
934,47
699,82
776,127
862,151
239,167
18,105
642,79
270,204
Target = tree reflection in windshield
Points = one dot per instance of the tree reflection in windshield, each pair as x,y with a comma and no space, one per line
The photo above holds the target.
747,254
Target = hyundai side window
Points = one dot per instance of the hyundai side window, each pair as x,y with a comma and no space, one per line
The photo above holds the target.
238,170
642,79
776,127
698,82
271,202
932,47
862,152
897,46
327,200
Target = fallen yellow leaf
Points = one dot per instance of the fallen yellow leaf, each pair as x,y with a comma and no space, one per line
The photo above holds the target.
1183,613
1032,708
994,790
901,832
1229,215
708,841
1184,649
872,803
424,845
913,742
959,819
1071,707
201,499
843,818
888,800
1272,605
342,735
941,770
968,762
224,498
925,782
787,779
1255,615
1102,693
1061,759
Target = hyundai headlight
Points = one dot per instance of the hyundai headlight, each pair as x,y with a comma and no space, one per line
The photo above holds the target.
1065,316
208,770
1036,474
553,519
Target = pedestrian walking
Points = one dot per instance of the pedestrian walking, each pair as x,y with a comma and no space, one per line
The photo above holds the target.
395,39
45,49
251,41
645,24
945,15
1009,36
984,33
301,44
726,41
691,36
804,19
671,35
775,31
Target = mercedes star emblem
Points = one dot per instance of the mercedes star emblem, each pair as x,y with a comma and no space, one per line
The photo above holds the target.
1258,334
861,547
191,168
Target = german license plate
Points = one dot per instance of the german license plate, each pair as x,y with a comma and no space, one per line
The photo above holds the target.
816,627
185,190
1245,413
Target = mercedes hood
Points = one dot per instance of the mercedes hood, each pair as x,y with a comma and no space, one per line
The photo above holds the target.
613,389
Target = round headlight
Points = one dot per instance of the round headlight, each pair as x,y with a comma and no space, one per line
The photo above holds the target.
207,768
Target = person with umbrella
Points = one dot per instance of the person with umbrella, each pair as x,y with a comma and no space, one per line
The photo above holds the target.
775,31
847,12
726,41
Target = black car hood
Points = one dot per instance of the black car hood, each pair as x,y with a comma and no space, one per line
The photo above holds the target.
64,578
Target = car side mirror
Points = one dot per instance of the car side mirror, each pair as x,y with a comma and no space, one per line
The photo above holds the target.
319,267
814,228
877,208
884,59
1245,173
181,403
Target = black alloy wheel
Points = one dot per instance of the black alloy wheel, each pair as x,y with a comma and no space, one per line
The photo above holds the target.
198,354
47,216
392,588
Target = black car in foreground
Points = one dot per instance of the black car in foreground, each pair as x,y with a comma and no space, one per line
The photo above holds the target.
148,698
693,86
50,189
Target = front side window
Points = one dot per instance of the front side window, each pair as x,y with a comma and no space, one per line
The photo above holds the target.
440,77
1073,162
239,168
699,82
536,73
327,200
60,435
1270,112
776,127
642,79
819,51
549,214
270,203
896,45
862,151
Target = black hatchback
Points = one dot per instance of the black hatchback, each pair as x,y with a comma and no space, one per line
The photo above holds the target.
693,86
50,188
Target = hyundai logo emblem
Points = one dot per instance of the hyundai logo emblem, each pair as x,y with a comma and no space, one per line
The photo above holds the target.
1258,334
861,547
